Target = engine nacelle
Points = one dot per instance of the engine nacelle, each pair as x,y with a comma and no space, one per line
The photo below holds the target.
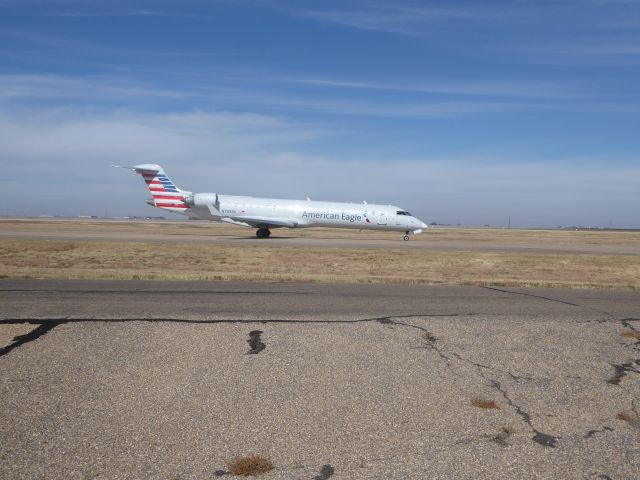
202,200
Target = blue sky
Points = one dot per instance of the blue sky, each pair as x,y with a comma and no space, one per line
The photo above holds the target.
462,112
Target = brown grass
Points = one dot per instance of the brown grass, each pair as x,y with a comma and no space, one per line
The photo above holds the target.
428,336
631,334
161,261
250,465
482,402
629,417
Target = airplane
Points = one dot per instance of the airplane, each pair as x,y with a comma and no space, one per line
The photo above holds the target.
267,213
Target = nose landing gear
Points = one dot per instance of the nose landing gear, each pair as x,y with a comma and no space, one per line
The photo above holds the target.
406,236
263,233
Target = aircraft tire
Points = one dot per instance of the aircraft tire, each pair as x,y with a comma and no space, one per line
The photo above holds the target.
405,237
263,233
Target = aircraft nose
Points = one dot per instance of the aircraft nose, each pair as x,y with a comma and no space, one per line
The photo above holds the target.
424,225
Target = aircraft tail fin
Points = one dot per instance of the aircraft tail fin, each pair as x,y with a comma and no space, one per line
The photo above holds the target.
165,194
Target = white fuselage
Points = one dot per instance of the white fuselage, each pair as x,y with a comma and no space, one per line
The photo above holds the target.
267,213
271,212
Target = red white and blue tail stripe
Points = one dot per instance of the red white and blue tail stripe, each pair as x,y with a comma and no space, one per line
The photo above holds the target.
164,192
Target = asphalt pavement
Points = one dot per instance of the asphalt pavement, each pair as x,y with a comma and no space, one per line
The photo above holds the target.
131,380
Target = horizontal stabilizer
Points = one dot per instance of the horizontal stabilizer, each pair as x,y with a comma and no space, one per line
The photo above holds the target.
147,167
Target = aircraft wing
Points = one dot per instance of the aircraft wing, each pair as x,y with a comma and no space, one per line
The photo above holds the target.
260,222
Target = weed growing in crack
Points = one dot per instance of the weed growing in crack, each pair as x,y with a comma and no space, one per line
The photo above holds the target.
629,417
428,336
250,465
503,435
631,334
485,403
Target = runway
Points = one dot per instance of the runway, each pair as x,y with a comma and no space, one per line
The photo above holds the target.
110,379
435,239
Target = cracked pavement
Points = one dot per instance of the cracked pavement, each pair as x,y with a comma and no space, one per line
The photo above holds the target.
172,380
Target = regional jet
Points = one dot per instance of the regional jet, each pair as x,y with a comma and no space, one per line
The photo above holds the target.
267,213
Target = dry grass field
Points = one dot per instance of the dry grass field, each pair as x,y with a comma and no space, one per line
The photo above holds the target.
21,258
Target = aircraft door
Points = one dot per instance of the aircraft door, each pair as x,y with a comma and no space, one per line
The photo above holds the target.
382,219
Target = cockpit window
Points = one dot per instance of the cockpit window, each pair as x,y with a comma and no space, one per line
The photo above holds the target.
402,212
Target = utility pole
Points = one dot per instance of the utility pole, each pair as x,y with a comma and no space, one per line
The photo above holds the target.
509,226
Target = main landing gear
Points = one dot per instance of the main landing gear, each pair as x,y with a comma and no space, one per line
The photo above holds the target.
263,233
406,236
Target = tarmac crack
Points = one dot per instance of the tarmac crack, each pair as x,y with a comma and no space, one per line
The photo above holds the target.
383,320
543,439
34,334
531,295
47,324
621,371
539,437
430,343
430,339
612,319
591,433
626,322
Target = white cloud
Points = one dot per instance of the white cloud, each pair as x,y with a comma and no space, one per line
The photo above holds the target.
100,90
477,88
415,100
57,162
54,87
398,109
473,190
404,19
